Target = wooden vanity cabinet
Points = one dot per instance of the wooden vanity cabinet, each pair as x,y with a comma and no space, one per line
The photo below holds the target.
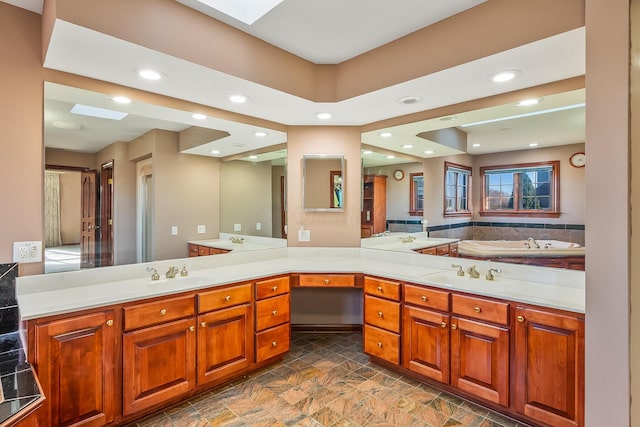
273,318
76,360
549,359
374,205
381,331
199,250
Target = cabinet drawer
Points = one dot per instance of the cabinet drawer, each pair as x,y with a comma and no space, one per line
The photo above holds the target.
193,250
226,297
218,251
382,313
151,313
327,280
442,250
382,344
453,250
426,297
272,311
480,308
203,250
272,342
382,288
272,287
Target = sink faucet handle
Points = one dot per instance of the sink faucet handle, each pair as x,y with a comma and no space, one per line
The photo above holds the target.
154,275
473,272
184,271
460,271
490,275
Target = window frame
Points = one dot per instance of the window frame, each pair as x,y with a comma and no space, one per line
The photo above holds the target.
412,201
462,212
554,199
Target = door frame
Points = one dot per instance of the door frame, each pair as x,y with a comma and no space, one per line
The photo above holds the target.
105,201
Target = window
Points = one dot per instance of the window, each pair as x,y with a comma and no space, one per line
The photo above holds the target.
528,189
457,188
416,196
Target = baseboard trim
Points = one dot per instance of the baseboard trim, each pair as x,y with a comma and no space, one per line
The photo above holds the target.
327,328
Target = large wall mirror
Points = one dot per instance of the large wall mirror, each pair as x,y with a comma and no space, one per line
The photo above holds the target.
323,177
135,182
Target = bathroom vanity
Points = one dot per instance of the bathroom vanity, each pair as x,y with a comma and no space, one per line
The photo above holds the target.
112,345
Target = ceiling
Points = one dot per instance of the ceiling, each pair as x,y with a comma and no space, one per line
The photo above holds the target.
328,34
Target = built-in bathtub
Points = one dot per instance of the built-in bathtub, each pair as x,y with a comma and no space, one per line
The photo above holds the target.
549,253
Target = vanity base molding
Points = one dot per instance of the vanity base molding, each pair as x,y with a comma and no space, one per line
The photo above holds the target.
327,328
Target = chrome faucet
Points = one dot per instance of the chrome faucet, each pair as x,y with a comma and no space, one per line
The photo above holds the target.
490,275
171,273
235,239
531,241
460,271
473,272
154,275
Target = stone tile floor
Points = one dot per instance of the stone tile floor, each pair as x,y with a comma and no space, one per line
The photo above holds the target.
326,380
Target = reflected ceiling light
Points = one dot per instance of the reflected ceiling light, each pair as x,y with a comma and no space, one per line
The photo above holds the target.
120,99
198,116
504,76
66,125
475,145
260,134
428,152
149,74
409,100
238,99
448,118
527,102
391,156
101,113
323,116
407,146
215,151
385,134
533,144
533,113
253,157
367,152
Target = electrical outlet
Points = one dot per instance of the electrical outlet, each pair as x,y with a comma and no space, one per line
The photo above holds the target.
25,252
237,227
258,226
202,229
174,230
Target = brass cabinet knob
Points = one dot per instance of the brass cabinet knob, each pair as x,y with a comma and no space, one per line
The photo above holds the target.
520,319
227,298
379,314
203,324
109,322
454,326
274,312
477,309
274,344
275,288
326,281
379,288
424,298
163,312
192,328
443,324
379,344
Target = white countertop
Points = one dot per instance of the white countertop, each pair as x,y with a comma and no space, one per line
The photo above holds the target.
394,242
57,293
249,243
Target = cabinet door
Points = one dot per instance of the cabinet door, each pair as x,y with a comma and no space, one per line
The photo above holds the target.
75,360
425,345
550,367
480,359
158,363
225,342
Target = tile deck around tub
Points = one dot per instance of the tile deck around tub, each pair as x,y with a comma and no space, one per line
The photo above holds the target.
326,380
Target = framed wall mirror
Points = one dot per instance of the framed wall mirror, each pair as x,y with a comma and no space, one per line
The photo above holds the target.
323,182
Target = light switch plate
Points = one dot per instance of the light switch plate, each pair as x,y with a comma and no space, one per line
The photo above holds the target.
174,230
304,235
237,227
202,229
258,226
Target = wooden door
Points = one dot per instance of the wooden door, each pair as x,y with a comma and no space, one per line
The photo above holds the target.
480,359
75,360
225,343
425,346
549,367
159,363
106,214
88,219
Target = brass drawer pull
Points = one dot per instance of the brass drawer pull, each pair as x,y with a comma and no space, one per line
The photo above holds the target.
477,309
520,319
274,344
274,312
109,322
379,344
379,314
275,288
326,281
163,312
443,324
227,298
424,298
203,324
192,328
454,326
379,288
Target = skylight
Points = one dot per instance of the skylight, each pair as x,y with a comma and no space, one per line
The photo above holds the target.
247,11
102,113
533,113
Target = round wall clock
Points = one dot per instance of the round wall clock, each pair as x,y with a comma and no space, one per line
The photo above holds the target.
398,174
578,160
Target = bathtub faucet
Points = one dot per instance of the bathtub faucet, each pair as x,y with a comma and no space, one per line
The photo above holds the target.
460,271
490,275
532,241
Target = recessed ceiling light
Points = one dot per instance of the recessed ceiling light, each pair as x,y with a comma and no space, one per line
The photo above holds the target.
253,157
429,152
215,151
260,134
504,76
323,116
476,145
527,102
238,99
66,125
101,113
407,146
391,156
198,116
533,144
408,100
120,99
385,134
149,74
367,152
